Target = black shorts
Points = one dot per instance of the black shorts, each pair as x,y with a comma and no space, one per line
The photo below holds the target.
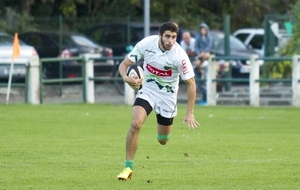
148,108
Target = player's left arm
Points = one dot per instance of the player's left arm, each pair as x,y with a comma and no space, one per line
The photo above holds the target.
187,75
191,93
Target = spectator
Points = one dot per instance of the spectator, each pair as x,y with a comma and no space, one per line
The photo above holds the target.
188,43
203,44
202,48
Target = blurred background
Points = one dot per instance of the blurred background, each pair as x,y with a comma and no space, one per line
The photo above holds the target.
109,29
94,19
24,15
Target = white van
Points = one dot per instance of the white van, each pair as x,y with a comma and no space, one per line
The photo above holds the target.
253,38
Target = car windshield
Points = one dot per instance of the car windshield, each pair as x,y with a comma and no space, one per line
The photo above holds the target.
236,44
7,40
68,40
83,41
218,42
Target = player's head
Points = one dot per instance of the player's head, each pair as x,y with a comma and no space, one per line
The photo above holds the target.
171,26
167,34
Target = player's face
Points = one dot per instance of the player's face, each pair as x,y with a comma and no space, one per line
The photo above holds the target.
167,40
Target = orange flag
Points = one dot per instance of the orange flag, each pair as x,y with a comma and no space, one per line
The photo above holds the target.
16,47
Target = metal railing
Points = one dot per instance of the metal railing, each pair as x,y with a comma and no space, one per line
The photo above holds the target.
61,80
87,78
254,78
20,83
115,78
230,58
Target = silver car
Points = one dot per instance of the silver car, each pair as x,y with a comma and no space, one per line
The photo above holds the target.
6,52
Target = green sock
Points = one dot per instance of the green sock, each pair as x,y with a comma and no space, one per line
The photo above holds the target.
129,164
163,137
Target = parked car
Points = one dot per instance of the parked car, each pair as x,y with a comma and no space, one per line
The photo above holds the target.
6,52
47,44
240,68
253,38
116,36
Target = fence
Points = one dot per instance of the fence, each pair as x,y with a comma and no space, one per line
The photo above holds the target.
60,79
31,80
7,71
35,80
254,78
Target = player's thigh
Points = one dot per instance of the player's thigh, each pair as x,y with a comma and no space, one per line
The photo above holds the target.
140,111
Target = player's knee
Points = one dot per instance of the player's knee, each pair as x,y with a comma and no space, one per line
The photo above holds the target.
163,139
136,125
163,142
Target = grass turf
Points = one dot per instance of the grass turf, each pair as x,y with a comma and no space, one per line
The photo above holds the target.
81,146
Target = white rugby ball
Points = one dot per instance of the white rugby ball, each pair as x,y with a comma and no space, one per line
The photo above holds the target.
136,71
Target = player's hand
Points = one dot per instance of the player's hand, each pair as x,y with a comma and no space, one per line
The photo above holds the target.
191,121
133,81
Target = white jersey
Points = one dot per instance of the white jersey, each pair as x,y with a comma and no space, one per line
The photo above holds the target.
162,69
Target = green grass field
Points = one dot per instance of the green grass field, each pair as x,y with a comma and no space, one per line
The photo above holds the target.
81,146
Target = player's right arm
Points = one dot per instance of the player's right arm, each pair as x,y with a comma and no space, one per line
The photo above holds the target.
124,65
133,57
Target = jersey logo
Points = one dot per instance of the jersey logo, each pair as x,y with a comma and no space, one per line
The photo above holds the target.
159,72
150,51
184,67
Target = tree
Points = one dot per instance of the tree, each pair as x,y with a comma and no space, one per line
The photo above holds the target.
188,13
283,69
293,47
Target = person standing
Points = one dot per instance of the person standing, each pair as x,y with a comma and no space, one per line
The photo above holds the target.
164,62
188,44
202,47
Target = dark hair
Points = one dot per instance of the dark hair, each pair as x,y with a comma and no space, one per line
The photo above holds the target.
171,26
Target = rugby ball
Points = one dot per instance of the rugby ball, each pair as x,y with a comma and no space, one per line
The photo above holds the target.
136,71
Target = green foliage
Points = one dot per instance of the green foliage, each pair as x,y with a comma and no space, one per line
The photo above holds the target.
188,13
277,69
2,24
283,69
82,146
68,8
17,22
292,47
